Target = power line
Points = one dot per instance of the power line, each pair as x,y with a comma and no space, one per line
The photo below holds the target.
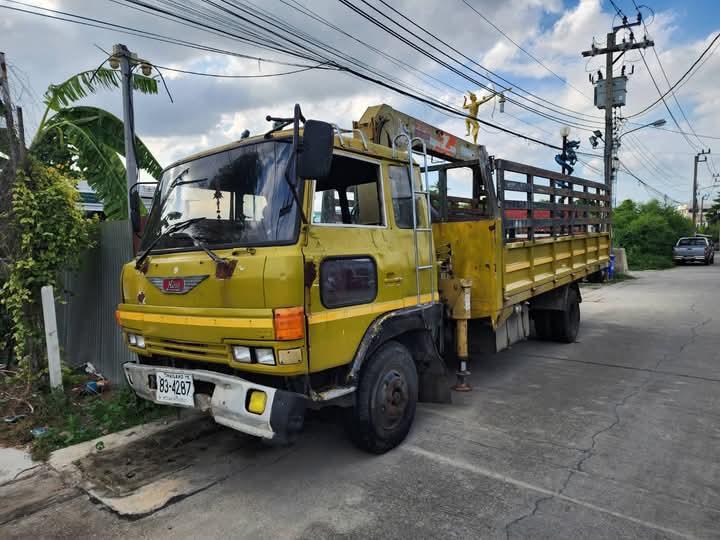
648,186
672,116
104,25
430,101
532,56
87,21
617,9
264,75
457,71
679,81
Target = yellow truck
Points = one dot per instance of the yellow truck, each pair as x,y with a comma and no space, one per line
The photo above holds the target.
316,266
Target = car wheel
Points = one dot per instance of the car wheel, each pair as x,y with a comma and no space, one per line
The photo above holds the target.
385,400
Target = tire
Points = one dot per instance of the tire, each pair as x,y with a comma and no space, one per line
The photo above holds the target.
543,325
566,324
385,400
706,261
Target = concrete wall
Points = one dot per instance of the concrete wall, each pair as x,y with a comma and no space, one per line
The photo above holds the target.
621,264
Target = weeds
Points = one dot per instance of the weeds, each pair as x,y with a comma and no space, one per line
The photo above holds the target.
69,417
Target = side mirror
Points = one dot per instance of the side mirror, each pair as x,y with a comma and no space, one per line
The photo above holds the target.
317,145
135,211
136,206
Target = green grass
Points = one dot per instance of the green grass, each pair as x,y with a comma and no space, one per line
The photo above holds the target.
70,417
619,278
70,421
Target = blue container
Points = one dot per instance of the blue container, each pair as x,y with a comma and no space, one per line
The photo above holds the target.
611,268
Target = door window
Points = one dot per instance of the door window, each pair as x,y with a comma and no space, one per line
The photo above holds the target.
402,198
350,195
347,281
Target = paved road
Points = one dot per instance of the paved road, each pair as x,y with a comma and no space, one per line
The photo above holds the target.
617,435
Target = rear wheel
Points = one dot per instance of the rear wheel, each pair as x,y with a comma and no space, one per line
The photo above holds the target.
385,400
566,324
543,324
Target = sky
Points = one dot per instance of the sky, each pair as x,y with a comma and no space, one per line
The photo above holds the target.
207,112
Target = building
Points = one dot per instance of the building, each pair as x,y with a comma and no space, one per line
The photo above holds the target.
92,205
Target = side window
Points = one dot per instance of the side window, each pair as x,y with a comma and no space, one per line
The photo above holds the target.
347,281
350,195
402,198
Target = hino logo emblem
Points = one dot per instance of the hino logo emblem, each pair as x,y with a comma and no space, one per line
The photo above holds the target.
176,285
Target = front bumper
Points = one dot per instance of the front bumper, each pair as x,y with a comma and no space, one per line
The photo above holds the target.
688,257
282,418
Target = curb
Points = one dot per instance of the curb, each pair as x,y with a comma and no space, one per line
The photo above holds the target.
63,460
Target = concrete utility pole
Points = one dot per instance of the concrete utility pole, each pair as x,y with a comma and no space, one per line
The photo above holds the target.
9,119
22,150
126,60
695,186
613,97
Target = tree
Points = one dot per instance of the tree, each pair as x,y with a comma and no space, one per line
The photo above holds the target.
46,233
88,142
712,216
648,232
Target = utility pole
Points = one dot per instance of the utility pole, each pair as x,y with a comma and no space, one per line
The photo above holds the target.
126,60
611,92
695,187
22,150
9,119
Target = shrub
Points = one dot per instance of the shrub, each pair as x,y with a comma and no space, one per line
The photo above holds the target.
648,233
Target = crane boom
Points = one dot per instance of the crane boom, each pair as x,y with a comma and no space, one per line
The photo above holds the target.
380,123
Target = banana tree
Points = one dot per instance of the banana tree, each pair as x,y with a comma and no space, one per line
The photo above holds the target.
88,142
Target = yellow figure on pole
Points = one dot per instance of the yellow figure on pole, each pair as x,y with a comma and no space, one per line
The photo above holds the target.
471,124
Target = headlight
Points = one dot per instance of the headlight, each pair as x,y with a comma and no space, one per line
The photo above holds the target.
241,354
265,356
136,340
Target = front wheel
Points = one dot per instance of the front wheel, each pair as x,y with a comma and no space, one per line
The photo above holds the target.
385,400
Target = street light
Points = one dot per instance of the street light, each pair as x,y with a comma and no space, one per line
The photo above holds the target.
597,134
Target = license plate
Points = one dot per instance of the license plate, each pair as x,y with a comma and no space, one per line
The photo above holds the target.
175,388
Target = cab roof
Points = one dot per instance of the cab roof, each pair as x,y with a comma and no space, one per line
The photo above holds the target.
351,144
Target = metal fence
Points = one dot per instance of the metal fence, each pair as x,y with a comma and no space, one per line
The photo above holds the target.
87,329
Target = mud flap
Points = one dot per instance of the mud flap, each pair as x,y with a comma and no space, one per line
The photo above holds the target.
433,382
434,385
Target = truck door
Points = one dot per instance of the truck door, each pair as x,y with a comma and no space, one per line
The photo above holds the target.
356,278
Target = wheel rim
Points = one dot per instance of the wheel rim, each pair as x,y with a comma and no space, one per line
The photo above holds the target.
391,400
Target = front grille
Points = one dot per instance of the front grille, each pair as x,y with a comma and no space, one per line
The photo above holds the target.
188,350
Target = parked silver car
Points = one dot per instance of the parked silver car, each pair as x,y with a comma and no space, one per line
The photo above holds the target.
693,249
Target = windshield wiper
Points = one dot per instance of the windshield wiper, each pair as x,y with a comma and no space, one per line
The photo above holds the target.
202,245
175,227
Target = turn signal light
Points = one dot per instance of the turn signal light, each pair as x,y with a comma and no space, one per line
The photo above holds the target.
289,323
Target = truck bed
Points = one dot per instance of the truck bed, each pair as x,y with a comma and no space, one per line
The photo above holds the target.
551,229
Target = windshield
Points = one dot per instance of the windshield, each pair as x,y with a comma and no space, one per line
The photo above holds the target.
692,242
241,193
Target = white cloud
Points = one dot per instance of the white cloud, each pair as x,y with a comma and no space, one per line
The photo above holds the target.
214,111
